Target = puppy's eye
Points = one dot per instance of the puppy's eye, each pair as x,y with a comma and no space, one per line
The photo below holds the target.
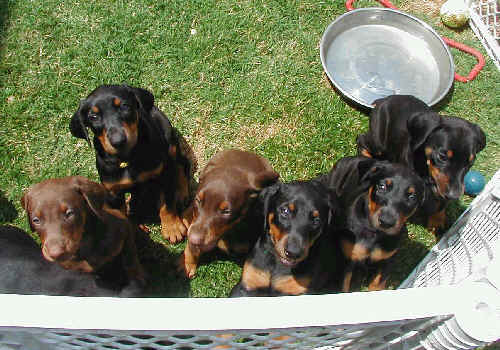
93,116
284,212
412,196
381,186
36,221
442,156
69,213
124,107
316,221
226,212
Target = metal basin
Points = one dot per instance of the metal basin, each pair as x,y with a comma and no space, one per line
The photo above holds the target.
371,53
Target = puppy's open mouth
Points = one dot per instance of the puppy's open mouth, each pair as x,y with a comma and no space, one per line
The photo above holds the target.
288,262
207,247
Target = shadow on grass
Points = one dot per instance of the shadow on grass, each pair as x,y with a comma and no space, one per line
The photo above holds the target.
160,265
408,257
453,212
8,211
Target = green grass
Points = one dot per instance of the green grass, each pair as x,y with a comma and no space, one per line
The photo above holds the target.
243,74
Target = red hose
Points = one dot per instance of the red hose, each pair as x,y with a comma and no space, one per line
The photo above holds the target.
480,59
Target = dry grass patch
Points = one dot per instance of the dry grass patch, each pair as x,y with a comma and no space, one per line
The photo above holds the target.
431,7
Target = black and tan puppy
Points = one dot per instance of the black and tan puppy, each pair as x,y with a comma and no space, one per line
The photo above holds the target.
376,198
138,151
220,215
441,149
23,270
294,253
78,229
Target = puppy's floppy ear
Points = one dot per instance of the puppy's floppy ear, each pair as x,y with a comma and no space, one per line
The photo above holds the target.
265,198
144,98
420,126
77,125
330,196
26,204
370,173
263,179
94,194
347,172
421,188
333,202
480,137
25,200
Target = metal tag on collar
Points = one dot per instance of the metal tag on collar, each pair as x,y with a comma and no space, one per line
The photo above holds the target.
123,165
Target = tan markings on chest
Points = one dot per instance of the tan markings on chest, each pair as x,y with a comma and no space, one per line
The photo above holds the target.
355,252
255,278
147,175
292,285
126,181
378,254
359,252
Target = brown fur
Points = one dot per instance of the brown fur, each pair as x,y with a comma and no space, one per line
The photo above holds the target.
229,185
77,228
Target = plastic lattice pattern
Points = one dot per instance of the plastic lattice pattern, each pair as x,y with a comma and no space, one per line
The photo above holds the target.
485,22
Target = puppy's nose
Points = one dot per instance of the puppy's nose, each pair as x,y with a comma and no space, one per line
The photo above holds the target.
293,248
53,251
117,138
387,220
455,193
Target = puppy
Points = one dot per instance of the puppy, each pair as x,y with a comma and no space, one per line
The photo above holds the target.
376,198
138,151
78,230
440,149
294,252
23,270
220,213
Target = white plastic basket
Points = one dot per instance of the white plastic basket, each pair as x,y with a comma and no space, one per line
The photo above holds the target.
485,22
456,306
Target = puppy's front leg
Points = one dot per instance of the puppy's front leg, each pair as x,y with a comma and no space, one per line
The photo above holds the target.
130,259
80,265
437,222
188,261
346,282
172,226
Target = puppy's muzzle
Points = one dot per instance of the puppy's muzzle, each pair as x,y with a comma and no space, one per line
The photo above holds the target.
117,138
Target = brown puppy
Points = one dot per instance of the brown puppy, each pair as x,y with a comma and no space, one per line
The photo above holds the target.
78,229
229,185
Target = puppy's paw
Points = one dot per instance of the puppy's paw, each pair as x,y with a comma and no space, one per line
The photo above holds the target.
186,268
174,230
365,153
437,223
